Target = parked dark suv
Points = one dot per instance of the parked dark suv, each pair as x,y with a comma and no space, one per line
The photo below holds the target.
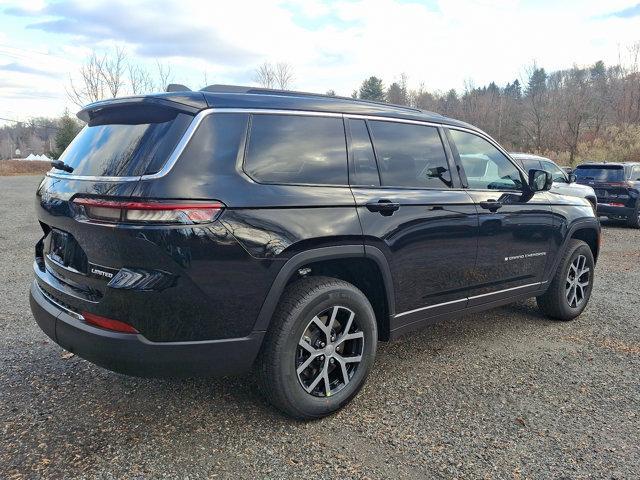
211,232
617,186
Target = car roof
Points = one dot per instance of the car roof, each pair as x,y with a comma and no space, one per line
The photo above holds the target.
528,156
231,96
608,164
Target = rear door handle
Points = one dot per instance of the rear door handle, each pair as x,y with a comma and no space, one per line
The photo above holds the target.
383,206
491,205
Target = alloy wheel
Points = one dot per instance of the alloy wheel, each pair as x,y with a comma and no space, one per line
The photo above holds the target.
578,279
329,351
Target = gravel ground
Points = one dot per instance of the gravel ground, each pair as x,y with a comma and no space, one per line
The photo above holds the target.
501,394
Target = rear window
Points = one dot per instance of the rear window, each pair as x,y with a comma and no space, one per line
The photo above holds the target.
122,150
604,173
410,155
296,149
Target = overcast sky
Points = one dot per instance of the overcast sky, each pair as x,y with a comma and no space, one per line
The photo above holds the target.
330,44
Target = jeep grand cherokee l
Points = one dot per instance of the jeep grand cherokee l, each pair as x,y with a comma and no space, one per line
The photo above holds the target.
617,186
215,231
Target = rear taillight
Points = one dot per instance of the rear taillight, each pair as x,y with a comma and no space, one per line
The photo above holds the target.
158,212
108,323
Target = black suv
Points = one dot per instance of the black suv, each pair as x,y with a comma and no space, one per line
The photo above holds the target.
215,231
617,186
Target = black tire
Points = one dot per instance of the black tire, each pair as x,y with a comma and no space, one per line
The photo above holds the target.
554,303
280,359
634,220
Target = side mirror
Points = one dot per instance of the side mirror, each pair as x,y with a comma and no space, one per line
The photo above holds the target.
539,180
572,178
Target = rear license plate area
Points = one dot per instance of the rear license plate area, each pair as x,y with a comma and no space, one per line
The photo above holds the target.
65,251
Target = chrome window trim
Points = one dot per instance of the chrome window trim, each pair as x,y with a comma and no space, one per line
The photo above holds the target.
197,120
468,298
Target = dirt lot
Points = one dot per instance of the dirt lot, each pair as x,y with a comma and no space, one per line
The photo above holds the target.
23,167
502,394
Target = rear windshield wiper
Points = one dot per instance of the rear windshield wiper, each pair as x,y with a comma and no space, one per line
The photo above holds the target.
60,165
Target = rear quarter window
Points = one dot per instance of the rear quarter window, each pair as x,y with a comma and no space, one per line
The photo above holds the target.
296,149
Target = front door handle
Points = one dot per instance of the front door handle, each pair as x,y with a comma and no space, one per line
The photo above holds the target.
383,207
491,205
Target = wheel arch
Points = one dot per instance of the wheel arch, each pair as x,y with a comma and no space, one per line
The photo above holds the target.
587,230
344,262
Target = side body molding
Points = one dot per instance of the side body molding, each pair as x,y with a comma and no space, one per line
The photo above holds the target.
316,255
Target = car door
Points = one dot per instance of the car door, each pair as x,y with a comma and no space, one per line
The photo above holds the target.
515,226
412,208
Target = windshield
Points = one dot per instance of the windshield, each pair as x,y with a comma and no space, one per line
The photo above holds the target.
613,173
119,150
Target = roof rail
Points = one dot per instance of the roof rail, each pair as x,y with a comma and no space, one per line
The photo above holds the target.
177,87
271,91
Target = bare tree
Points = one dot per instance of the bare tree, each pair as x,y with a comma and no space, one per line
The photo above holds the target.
164,75
91,85
113,68
140,80
279,75
284,75
265,75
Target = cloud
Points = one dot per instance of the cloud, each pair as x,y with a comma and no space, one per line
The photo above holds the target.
169,31
21,68
331,44
627,12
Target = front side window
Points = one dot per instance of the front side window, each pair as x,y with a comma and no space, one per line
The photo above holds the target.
555,171
296,149
485,166
635,174
410,155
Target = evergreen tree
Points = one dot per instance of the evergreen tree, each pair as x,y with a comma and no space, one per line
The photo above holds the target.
372,89
397,94
68,129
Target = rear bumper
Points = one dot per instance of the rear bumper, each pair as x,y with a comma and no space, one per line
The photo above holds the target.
134,354
606,210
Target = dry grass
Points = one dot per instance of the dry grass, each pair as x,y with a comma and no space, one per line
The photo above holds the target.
23,167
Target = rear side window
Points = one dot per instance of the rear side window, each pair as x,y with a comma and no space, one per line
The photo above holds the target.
125,149
364,168
600,173
296,149
410,155
531,164
555,171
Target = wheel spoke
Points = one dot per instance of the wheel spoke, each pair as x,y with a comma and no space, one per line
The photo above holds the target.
304,344
307,362
349,323
354,359
350,336
315,382
332,320
320,324
327,386
343,368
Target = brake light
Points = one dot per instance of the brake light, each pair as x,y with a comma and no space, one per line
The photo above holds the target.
108,323
161,212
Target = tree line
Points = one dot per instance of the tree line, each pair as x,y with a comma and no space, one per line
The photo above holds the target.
573,115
